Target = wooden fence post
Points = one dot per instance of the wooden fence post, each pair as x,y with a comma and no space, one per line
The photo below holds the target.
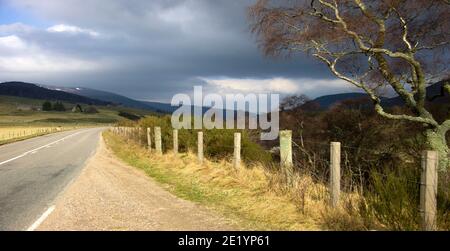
286,155
149,139
428,190
335,173
136,134
140,135
200,147
175,141
237,150
158,141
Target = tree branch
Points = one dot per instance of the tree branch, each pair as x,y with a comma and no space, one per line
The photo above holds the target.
377,102
378,51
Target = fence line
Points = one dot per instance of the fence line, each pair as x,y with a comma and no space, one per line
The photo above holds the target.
15,133
428,184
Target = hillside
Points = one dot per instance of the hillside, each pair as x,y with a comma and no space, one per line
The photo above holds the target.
115,98
27,90
98,97
12,115
435,94
325,102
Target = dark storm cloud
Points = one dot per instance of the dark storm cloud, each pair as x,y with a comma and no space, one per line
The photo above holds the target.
145,49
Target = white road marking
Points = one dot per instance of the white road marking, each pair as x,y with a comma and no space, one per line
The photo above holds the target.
41,219
37,149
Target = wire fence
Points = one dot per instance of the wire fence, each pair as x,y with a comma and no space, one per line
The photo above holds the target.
358,168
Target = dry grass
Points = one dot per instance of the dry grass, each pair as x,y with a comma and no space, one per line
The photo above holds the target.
253,196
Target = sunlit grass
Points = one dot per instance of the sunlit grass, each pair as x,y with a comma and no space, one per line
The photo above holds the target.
249,195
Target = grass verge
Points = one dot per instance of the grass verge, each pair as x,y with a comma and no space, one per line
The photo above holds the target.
247,196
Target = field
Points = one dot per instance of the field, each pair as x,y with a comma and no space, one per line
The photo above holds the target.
11,116
18,124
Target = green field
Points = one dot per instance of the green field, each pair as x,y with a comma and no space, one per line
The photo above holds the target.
11,116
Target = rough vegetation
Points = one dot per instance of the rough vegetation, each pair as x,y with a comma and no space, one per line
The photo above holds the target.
253,195
371,45
380,164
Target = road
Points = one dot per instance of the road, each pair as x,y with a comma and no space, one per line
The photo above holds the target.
114,196
34,172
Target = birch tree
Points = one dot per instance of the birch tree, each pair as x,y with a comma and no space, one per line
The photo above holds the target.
402,45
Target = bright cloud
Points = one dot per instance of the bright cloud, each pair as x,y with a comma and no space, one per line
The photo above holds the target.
12,42
70,29
254,85
274,85
19,56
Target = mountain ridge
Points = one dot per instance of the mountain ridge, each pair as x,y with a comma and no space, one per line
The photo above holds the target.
115,98
28,90
99,97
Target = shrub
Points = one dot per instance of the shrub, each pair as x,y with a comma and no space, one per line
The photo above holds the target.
129,116
218,143
59,107
47,106
91,110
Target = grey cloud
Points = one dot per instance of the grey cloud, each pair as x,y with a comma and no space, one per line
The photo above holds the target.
153,49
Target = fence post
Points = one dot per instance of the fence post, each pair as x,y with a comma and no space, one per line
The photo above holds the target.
286,154
428,190
175,141
237,150
158,141
136,134
149,139
335,173
200,147
140,136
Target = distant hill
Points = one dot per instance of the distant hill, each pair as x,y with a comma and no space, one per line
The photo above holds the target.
115,99
97,97
27,90
327,101
435,94
167,108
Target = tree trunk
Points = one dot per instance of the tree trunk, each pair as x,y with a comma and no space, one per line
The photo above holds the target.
436,141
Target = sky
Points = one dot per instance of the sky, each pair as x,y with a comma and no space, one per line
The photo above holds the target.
148,50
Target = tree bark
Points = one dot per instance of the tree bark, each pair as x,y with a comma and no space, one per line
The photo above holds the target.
436,141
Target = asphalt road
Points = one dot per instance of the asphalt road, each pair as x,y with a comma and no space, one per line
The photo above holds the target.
34,172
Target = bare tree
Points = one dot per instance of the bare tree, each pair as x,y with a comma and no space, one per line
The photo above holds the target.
373,45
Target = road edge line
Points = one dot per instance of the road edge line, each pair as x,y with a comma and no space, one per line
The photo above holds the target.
41,219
